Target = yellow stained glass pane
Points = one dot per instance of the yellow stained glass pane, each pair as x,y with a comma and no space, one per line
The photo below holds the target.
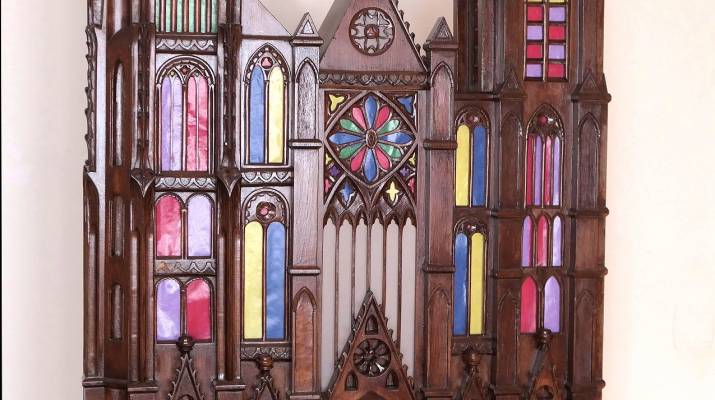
253,282
476,285
276,104
462,174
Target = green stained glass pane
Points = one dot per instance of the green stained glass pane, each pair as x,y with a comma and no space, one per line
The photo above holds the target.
180,16
389,126
214,16
391,151
167,16
203,15
157,14
350,126
348,151
192,16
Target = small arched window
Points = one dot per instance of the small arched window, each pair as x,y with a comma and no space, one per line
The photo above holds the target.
472,159
469,281
528,306
198,217
183,310
266,81
168,227
198,310
265,245
527,242
552,305
184,122
168,310
544,159
542,241
557,240
186,16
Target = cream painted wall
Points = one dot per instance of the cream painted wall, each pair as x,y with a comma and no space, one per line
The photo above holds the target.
660,327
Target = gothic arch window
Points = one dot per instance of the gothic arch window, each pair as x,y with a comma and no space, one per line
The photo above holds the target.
185,89
184,229
552,305
266,103
472,159
544,159
542,243
183,308
469,279
264,280
186,16
529,297
546,40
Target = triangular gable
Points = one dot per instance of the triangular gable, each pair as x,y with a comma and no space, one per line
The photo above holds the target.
340,54
370,366
257,20
306,28
440,32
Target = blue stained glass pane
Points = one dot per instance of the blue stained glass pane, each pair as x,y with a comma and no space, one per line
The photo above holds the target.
479,167
408,103
342,138
461,263
371,110
398,138
275,281
257,112
370,166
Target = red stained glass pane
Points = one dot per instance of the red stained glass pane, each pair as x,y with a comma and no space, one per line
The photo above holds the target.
535,13
198,310
542,242
557,71
530,170
548,171
528,306
168,227
557,32
534,51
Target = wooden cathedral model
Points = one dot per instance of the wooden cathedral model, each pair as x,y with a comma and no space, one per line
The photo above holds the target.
337,212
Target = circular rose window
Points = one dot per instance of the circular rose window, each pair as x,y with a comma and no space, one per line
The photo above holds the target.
372,357
372,31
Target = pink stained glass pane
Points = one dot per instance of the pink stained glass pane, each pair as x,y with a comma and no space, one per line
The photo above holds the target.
530,170
557,172
552,305
198,310
557,243
168,310
542,242
526,242
200,220
538,171
547,171
168,227
197,125
528,306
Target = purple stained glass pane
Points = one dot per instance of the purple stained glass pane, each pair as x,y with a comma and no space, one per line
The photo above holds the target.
557,51
556,197
534,32
168,310
557,14
200,219
557,240
538,171
552,306
172,119
534,71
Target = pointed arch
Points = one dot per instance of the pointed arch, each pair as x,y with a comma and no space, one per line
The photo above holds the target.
472,158
527,242
168,310
588,161
307,104
544,158
542,241
305,338
557,242
442,88
167,214
200,218
267,86
198,309
510,144
552,305
528,306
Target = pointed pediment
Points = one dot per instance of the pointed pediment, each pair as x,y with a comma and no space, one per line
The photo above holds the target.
257,20
306,27
593,88
512,86
368,36
370,366
440,32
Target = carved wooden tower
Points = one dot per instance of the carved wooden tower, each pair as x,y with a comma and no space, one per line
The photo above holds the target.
341,213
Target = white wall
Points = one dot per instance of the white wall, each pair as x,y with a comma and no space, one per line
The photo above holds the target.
660,324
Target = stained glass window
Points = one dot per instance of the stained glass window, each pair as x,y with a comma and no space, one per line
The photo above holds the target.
184,120
469,282
546,50
547,239
544,160
186,16
471,163
170,239
194,307
552,305
371,139
528,306
267,87
557,239
542,241
265,245
527,242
